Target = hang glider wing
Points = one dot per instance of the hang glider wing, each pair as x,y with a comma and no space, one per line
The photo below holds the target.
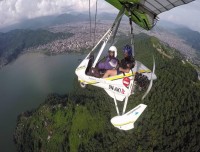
144,12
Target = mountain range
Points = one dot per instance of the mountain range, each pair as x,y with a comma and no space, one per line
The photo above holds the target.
191,37
46,21
12,41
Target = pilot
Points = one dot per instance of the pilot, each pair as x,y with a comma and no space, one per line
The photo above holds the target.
127,63
110,62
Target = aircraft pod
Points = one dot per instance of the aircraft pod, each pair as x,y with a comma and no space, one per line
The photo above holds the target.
120,87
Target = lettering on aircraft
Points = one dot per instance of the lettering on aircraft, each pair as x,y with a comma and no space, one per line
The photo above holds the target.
116,89
134,111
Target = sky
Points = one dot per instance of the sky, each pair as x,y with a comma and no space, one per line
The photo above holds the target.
14,11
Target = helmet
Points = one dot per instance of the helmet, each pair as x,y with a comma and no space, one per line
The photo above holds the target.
113,49
127,49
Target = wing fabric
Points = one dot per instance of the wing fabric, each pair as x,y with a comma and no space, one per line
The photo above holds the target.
144,12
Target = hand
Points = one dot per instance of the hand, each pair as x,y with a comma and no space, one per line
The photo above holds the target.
121,69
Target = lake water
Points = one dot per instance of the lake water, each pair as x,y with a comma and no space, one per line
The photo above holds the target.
25,83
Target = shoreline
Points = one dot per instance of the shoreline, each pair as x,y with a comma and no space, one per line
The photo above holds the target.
44,52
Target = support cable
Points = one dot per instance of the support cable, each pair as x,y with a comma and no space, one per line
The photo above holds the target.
95,23
90,20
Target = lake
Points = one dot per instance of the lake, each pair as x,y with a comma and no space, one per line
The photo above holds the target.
25,83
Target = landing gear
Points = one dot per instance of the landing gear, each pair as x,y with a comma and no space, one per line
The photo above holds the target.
83,85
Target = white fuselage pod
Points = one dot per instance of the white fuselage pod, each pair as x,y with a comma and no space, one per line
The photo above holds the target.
115,85
126,121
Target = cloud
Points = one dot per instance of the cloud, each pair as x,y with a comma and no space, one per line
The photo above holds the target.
186,15
12,11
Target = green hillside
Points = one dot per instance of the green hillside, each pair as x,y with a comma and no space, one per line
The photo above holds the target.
80,121
12,43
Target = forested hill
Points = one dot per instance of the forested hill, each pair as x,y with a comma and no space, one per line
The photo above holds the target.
14,42
80,121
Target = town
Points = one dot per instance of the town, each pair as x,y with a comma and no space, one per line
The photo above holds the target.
85,38
82,38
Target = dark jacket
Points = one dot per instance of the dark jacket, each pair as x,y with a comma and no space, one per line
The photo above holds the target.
127,63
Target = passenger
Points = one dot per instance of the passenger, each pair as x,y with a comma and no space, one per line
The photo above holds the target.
110,62
125,65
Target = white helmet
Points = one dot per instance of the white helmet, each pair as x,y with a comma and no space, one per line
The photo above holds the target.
113,49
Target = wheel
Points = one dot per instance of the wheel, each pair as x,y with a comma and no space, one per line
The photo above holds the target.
83,85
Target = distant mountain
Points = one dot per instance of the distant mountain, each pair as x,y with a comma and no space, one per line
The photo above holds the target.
14,42
168,25
106,16
46,21
191,37
30,24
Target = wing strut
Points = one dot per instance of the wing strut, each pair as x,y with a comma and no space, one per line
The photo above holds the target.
117,109
107,36
132,34
125,104
115,32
